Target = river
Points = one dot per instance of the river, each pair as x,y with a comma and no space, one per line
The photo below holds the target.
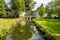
26,32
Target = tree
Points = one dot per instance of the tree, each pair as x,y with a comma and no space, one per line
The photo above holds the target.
57,7
41,10
33,4
18,5
28,4
3,8
50,8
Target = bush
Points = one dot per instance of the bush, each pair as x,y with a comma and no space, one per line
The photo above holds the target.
47,17
55,17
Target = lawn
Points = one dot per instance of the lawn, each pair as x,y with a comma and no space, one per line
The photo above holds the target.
6,25
52,27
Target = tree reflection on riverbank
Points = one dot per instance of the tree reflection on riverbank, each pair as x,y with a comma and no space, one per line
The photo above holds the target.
21,32
26,32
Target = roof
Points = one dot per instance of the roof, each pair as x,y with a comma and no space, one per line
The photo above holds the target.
30,13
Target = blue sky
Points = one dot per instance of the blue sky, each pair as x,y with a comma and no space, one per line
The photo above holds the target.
45,2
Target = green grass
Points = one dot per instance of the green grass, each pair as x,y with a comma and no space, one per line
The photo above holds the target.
52,27
6,25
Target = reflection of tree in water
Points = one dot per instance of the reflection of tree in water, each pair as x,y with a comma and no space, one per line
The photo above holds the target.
3,38
21,33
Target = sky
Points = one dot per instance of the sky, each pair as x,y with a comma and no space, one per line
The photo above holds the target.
45,2
39,2
7,1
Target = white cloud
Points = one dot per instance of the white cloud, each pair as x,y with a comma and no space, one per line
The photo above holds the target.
45,2
7,1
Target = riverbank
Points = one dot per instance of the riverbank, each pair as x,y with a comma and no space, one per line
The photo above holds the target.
50,27
6,25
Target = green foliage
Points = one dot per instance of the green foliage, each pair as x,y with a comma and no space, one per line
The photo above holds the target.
33,4
41,10
18,5
50,9
28,4
57,7
3,8
23,32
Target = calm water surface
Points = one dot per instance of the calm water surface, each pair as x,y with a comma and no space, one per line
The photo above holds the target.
25,33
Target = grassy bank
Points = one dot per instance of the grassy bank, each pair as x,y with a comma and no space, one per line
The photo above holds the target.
50,26
6,25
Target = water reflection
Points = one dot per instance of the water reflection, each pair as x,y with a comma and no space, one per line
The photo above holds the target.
9,37
3,38
27,32
21,33
36,35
